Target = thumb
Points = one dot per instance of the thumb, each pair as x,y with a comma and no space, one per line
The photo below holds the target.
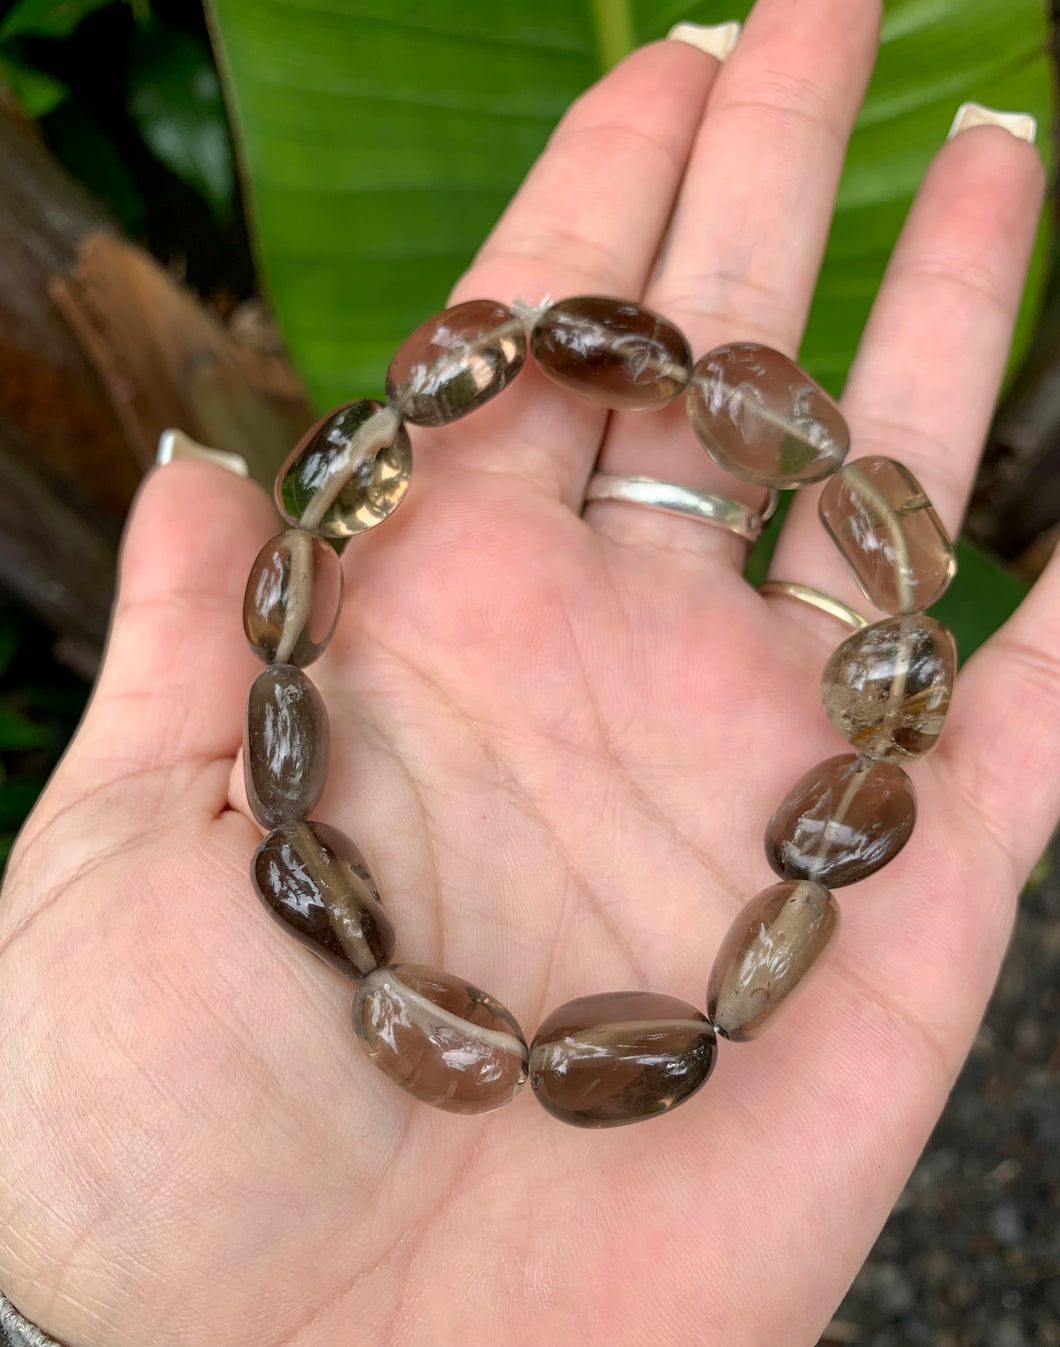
177,667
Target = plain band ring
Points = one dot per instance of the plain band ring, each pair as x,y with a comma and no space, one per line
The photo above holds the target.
669,497
790,589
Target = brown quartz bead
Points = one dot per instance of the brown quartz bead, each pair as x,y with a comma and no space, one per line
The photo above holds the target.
440,1038
888,534
612,351
455,362
620,1057
315,883
766,953
293,599
842,821
348,473
887,687
285,746
764,419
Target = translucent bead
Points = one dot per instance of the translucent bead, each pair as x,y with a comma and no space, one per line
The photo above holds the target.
842,821
285,746
293,599
348,473
764,419
619,1057
455,362
440,1038
612,351
315,883
888,534
887,687
768,950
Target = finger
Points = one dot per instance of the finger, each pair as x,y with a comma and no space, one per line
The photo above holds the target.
1003,734
926,378
746,242
177,665
588,220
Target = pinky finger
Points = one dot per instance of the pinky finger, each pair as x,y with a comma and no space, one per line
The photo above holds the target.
1004,729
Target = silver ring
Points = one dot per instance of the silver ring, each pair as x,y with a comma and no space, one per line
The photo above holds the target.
717,511
816,598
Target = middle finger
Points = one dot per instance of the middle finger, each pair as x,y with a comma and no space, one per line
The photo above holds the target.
748,234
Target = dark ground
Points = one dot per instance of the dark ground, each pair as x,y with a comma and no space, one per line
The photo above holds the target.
971,1254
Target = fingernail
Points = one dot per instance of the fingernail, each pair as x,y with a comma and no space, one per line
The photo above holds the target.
1019,124
716,39
174,444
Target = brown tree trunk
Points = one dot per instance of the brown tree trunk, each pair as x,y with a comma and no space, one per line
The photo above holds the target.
100,351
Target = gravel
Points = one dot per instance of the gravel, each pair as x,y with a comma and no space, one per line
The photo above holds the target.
971,1254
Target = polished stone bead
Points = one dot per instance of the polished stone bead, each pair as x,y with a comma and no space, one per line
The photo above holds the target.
888,534
285,746
764,419
348,473
887,687
612,351
842,821
440,1038
455,362
619,1057
292,599
766,953
314,881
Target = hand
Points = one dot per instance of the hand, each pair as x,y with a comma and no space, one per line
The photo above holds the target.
557,741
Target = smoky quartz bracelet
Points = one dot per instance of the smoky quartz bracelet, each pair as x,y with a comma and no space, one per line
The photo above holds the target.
615,1057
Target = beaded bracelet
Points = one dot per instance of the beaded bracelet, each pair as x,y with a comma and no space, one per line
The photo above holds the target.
617,1057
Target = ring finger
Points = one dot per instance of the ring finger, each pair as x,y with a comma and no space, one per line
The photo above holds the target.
923,386
747,235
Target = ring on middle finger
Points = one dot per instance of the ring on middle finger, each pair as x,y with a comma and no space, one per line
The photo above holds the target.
672,498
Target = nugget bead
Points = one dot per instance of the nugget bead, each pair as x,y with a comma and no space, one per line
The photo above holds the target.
768,951
889,535
456,362
612,351
887,688
764,419
620,1057
842,821
285,746
315,882
440,1038
348,473
293,598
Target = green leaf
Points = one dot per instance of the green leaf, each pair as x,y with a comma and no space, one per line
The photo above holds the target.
175,100
17,732
17,798
37,93
982,596
85,149
47,18
382,142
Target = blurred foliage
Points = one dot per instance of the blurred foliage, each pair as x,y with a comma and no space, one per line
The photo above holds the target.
40,705
175,100
128,98
37,92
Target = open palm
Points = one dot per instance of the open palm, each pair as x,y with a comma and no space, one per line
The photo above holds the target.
557,741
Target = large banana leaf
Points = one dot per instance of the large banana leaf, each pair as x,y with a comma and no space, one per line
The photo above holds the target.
381,140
